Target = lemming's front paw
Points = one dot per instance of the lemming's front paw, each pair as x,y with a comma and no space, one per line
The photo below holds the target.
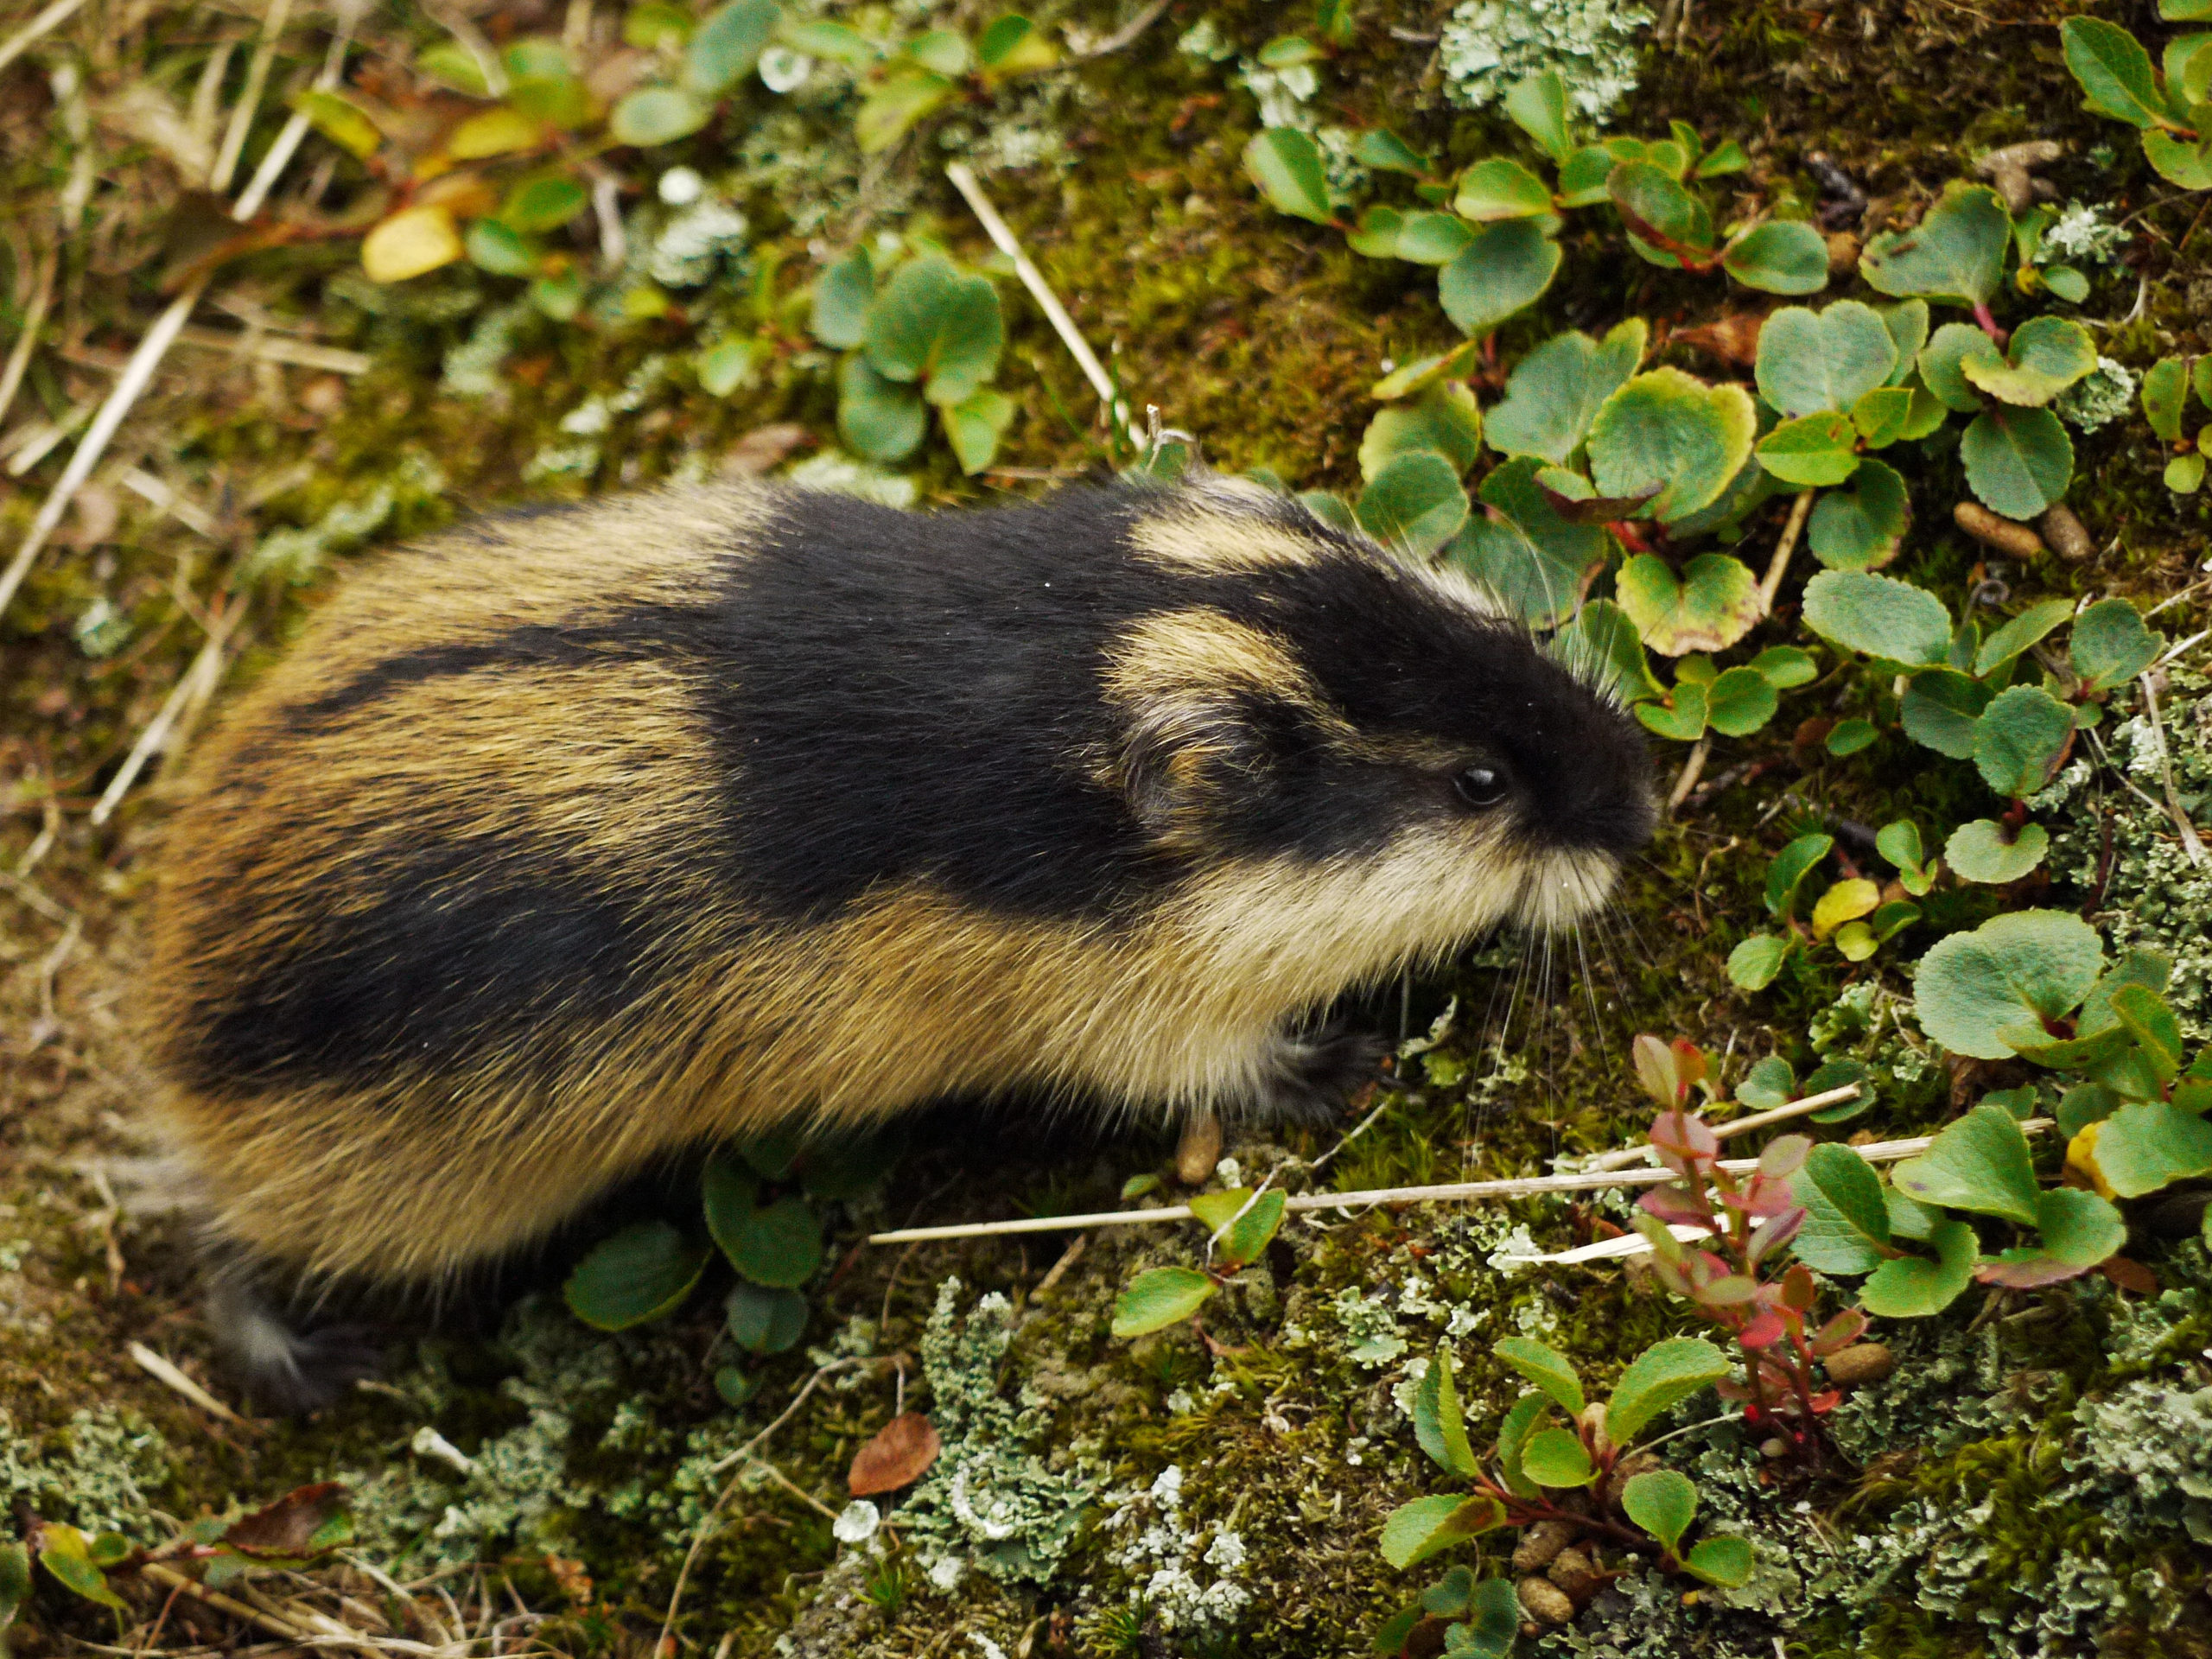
1310,1074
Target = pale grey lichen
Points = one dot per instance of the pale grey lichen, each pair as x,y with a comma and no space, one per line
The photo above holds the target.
98,1472
2147,891
2082,235
2105,394
1185,1571
1489,45
989,1502
471,368
690,246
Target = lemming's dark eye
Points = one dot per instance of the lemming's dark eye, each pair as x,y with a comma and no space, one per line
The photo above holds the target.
1481,787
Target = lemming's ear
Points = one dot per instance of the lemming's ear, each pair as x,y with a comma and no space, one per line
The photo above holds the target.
1180,752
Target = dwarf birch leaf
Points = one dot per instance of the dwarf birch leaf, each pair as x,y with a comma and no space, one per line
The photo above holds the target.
1939,709
1386,152
1710,606
1555,392
1846,901
1430,238
1547,1368
344,123
1980,1164
1942,359
1532,559
1668,429
1159,1297
2046,355
2023,631
1287,166
1662,1501
544,202
1498,188
1879,615
1727,1561
1846,1227
1912,1286
1445,421
64,1552
1555,1457
2143,1146
1660,1378
2178,161
1780,256
2018,461
1428,1525
1985,851
2165,387
879,420
1882,415
1667,223
1754,962
1814,451
2185,475
1415,502
1504,269
2114,70
1957,252
763,1319
1741,701
2016,970
1790,867
493,247
1438,1424
1520,1421
642,1273
1810,362
2076,1231
1538,106
2111,645
1863,527
2019,738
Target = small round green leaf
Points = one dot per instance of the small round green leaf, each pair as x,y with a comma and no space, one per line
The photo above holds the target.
1741,701
1985,851
936,324
1537,105
1498,189
1158,1298
2014,971
1547,1368
1668,428
1668,224
2023,631
2046,356
1810,362
1878,615
658,115
1846,1217
1754,962
2164,392
1849,736
1504,269
2018,461
1942,363
1660,1378
763,1320
64,1552
2111,645
1662,1501
1863,527
1727,1561
1424,238
544,202
1939,710
778,1245
493,247
1980,1164
2185,475
1957,252
1780,256
1444,420
879,420
2076,1230
974,425
1555,1457
1679,717
1555,393
1287,166
1712,604
2019,738
1533,559
1912,1286
1812,451
727,43
904,97
2144,1146
642,1273
1415,502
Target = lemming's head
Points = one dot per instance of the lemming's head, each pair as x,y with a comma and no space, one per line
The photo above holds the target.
1327,725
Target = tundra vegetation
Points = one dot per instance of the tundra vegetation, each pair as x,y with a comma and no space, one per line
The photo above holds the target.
1831,382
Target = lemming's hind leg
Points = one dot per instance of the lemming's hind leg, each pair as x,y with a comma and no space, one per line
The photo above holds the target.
1306,1075
287,1363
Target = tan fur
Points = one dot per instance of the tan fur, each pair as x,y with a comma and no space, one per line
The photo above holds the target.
903,997
1191,539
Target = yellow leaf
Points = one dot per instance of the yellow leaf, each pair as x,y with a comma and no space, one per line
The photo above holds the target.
409,243
2081,1158
501,132
341,121
1857,941
1846,901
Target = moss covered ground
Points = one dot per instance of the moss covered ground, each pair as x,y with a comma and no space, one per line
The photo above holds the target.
2035,1478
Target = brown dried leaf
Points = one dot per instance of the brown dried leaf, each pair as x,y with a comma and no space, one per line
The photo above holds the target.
1733,338
288,1527
899,1455
764,448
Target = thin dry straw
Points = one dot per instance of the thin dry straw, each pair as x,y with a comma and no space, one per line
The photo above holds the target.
1458,1191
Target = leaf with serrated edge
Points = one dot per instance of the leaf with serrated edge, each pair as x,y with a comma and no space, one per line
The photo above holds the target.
1662,1376
1662,1501
1546,1367
1913,1286
1810,362
2013,970
1978,1164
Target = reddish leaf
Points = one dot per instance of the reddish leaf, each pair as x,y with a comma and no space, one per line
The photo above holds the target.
1765,1195
899,1455
1773,1235
2129,1276
1840,1333
1826,1401
1683,1139
1798,1289
1654,1070
1677,1204
289,1527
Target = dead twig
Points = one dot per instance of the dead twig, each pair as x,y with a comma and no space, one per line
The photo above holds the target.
169,1376
2189,843
45,23
1771,584
19,356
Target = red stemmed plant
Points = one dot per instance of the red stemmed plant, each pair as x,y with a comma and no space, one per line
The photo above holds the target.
1747,1218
